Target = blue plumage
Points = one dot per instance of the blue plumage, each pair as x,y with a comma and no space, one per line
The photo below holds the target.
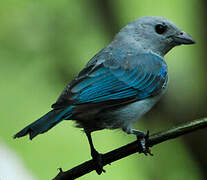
119,84
45,123
115,82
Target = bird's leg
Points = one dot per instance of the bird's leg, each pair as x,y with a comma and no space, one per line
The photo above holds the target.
142,139
97,157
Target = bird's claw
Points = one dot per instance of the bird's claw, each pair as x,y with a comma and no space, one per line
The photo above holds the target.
97,159
142,144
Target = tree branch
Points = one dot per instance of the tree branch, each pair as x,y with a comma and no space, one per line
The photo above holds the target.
131,148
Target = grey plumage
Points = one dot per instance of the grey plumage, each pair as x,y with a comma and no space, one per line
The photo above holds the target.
129,46
119,84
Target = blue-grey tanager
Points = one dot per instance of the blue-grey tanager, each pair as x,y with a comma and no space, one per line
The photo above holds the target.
119,84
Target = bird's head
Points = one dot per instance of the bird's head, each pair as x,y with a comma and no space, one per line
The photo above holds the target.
156,34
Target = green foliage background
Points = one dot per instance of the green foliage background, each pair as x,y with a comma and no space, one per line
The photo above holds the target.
44,44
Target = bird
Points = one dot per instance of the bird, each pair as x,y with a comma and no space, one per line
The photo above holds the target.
118,85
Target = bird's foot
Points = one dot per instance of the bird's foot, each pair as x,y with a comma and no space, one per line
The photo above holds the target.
142,139
97,159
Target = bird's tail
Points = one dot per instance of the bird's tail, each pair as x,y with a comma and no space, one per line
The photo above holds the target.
45,123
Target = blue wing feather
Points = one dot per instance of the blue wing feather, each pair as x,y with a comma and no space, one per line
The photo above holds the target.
119,83
119,78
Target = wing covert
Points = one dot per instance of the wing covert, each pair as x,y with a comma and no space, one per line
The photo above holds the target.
135,77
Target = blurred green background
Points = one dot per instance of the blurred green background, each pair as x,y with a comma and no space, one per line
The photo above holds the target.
44,44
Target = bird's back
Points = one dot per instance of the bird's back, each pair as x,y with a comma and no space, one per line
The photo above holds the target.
117,84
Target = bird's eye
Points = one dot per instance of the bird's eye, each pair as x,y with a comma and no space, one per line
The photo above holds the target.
160,28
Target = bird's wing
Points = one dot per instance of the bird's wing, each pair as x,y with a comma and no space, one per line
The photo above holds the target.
116,80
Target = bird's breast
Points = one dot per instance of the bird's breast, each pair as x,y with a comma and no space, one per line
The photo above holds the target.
127,115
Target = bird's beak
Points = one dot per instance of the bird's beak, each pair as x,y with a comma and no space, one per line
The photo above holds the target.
183,38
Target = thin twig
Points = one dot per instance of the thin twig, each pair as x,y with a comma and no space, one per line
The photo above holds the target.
131,148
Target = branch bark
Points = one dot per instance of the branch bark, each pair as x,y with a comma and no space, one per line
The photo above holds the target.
132,148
